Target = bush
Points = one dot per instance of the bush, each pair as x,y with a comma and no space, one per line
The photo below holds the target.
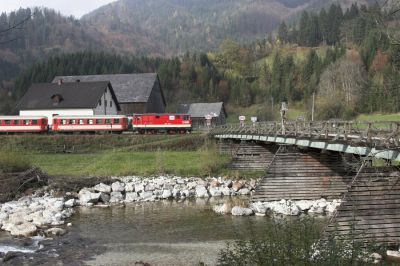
13,162
289,242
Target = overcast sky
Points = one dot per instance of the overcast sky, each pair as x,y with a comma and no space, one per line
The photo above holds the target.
76,8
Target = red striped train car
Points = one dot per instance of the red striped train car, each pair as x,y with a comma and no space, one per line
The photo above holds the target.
23,124
116,123
155,123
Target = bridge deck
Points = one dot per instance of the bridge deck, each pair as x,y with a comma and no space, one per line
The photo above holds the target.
379,139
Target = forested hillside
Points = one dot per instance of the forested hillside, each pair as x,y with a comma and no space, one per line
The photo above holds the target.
348,57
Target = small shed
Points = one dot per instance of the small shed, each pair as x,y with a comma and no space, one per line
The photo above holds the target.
68,99
136,93
199,111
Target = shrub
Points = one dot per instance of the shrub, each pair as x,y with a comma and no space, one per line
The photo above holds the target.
13,162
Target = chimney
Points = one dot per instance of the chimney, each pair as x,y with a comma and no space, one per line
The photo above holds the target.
60,81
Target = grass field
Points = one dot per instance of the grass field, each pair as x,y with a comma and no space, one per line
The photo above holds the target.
378,117
103,156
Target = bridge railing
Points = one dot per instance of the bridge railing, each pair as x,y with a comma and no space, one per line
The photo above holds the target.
376,134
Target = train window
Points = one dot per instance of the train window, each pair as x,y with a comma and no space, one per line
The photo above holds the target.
64,122
26,122
98,122
72,122
178,117
108,121
185,117
157,117
16,122
81,122
7,122
90,121
34,122
138,118
116,121
105,102
171,117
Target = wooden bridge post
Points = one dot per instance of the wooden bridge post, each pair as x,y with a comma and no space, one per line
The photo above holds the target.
309,130
327,125
345,131
369,133
396,135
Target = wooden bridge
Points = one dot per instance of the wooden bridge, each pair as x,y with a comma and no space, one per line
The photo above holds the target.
331,160
372,139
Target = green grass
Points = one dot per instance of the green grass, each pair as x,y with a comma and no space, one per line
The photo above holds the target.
378,117
121,163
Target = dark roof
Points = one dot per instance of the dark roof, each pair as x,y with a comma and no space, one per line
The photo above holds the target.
129,88
202,109
73,95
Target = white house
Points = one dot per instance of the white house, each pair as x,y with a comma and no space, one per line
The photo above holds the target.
68,99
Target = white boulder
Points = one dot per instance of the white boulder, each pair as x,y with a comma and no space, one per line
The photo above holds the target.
118,187
201,192
240,211
102,188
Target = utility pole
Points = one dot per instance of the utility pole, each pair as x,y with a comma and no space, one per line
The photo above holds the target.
313,106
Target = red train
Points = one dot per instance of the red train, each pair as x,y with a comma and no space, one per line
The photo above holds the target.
23,124
155,123
141,123
117,123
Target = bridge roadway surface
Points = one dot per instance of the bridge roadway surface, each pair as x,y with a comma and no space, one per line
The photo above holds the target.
368,139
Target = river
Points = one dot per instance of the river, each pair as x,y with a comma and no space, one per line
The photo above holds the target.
158,233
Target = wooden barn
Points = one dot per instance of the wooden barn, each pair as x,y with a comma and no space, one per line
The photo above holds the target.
136,93
199,111
67,99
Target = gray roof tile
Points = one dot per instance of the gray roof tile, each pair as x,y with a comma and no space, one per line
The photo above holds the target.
202,109
129,88
74,95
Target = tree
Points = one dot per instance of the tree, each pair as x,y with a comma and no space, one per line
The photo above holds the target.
283,34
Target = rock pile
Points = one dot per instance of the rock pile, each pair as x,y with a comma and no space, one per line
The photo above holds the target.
283,207
138,189
27,215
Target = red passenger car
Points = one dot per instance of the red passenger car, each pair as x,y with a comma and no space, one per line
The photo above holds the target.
107,123
23,124
154,123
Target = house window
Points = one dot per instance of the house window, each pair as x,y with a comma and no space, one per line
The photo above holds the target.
98,122
100,102
110,103
34,122
90,121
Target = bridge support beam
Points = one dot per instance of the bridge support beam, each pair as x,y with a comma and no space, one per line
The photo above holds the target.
248,155
370,211
299,174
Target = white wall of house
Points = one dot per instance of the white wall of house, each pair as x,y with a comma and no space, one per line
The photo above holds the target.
50,113
105,108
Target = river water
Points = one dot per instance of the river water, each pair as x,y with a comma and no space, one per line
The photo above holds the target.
158,233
